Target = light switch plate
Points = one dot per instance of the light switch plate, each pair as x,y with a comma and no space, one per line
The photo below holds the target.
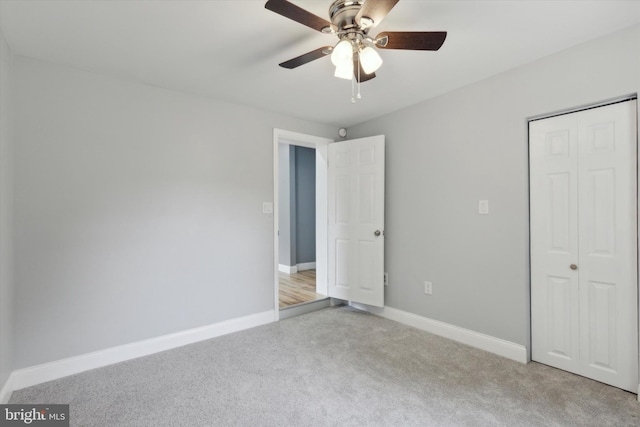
483,207
267,207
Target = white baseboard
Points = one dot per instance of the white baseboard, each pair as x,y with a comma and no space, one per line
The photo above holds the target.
306,266
289,269
488,343
293,269
6,391
33,375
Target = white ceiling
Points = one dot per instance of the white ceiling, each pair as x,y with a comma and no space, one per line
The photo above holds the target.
230,50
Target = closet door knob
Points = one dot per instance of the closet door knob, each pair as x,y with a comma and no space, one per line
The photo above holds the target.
377,233
573,267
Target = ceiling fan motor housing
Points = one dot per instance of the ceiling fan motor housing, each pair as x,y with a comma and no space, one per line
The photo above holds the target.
343,17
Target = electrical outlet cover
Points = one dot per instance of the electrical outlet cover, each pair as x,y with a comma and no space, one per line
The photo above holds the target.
428,288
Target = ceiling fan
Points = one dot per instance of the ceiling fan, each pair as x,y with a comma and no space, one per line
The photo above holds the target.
355,54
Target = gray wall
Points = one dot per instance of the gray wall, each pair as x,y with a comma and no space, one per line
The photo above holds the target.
138,211
305,202
297,204
445,154
6,213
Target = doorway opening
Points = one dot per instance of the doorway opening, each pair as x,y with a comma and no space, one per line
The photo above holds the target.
300,222
297,225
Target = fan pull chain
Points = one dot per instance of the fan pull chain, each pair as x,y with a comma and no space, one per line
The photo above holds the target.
353,91
353,83
359,79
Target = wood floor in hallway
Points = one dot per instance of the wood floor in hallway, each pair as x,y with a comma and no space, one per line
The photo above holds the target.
298,288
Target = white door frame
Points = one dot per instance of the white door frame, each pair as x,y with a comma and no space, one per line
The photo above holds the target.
319,144
568,111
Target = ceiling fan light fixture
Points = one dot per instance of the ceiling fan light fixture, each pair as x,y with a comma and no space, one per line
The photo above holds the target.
344,71
342,53
370,60
356,50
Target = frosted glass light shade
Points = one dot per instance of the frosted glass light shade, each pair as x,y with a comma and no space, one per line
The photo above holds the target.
370,60
342,53
345,71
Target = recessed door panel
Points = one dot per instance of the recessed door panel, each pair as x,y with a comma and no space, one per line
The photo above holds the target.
366,265
602,326
557,144
367,195
559,309
601,211
366,156
559,212
343,199
342,263
601,138
343,160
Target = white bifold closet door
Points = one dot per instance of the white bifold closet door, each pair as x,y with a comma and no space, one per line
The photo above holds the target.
584,284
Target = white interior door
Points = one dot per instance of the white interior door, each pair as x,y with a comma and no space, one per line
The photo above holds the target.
584,302
356,220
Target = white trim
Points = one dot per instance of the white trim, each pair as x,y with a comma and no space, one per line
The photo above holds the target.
322,223
289,269
306,266
638,395
61,368
293,269
583,107
7,390
484,342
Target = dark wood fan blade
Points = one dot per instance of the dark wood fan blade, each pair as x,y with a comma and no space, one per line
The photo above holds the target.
425,40
361,76
307,57
298,14
375,10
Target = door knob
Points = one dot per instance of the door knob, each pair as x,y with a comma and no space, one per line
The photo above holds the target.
573,267
377,233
